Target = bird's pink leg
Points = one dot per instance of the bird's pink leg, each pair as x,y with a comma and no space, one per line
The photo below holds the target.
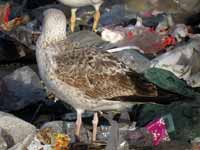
78,123
95,124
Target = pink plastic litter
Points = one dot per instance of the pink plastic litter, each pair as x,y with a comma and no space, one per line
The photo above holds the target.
159,131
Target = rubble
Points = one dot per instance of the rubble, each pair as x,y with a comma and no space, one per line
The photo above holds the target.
15,128
159,40
183,61
20,89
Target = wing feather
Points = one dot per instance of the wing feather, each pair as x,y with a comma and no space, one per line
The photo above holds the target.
98,74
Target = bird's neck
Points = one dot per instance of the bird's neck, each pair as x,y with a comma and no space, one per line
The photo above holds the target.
48,38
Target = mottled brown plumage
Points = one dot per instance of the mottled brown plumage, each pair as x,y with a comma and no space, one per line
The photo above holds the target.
86,78
98,74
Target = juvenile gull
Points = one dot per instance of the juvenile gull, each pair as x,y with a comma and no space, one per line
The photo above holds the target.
83,77
75,4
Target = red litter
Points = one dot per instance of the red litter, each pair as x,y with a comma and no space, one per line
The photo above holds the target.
170,40
7,14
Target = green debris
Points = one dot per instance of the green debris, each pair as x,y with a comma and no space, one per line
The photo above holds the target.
168,81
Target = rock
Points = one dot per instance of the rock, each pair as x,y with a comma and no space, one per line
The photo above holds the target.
24,144
3,143
8,68
16,129
20,89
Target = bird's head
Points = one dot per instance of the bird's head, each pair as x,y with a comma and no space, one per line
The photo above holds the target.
54,26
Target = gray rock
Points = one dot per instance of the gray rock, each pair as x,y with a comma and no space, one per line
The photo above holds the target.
16,129
3,143
19,89
24,144
6,69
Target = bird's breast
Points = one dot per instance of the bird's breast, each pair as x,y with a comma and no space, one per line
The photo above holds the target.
77,3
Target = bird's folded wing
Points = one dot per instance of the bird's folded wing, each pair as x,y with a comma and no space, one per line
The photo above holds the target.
98,74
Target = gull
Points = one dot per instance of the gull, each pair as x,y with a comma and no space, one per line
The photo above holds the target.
86,78
75,4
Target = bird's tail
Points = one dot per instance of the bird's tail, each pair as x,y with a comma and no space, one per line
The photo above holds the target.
163,99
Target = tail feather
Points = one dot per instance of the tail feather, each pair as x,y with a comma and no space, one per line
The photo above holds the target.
165,99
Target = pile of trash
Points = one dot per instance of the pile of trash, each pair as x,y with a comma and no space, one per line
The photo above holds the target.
158,40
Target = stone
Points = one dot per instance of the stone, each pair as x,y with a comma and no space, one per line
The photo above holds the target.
20,89
16,129
24,144
3,143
